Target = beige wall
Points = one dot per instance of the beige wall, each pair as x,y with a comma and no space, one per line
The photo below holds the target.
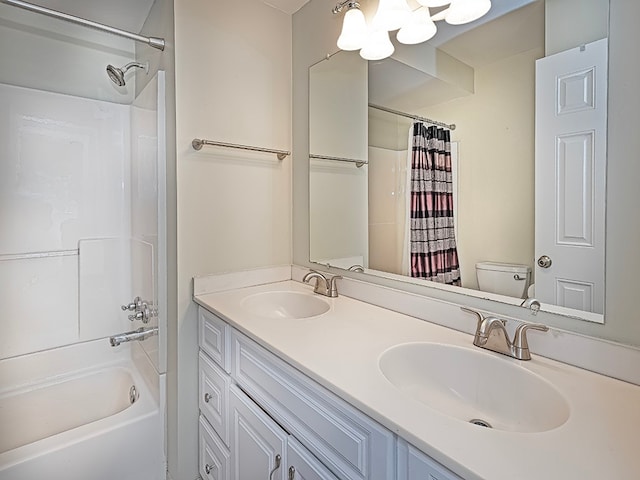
496,165
233,84
570,23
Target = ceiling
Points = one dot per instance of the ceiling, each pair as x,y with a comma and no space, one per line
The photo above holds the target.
287,6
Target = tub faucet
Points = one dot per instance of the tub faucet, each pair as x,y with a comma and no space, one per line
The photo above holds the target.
141,333
324,286
492,335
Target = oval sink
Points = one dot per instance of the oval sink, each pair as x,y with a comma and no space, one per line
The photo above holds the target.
285,304
474,386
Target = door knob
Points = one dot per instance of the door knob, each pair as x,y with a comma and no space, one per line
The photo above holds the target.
544,261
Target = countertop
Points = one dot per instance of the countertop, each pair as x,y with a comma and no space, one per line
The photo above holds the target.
340,350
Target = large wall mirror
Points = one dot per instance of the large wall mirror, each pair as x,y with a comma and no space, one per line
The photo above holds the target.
525,186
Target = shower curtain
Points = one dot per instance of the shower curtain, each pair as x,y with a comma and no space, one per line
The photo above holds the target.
430,237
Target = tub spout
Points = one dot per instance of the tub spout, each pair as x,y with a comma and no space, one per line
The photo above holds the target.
141,333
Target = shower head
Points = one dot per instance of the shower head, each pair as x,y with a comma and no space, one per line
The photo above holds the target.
117,74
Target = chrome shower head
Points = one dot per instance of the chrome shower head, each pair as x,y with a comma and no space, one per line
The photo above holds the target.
117,74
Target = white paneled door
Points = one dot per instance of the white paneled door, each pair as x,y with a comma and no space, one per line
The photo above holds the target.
571,151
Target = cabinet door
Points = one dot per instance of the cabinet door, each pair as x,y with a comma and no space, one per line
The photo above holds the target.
258,443
301,465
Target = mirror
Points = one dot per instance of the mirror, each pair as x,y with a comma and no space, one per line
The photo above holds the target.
482,78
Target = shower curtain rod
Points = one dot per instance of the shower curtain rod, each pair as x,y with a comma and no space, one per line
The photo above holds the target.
414,117
151,41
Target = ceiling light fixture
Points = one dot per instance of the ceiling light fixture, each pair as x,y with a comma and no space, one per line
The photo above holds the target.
466,11
378,45
354,26
414,27
391,15
418,29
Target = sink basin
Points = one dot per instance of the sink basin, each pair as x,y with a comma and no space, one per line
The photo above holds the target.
285,304
474,386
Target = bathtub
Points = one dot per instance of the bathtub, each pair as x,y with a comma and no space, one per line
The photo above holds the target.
82,412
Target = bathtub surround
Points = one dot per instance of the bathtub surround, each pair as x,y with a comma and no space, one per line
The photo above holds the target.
64,201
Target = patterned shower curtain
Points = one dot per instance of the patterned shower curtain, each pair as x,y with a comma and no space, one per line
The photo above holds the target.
434,255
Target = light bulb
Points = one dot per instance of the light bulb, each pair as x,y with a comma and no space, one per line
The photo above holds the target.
378,46
391,14
418,29
466,11
354,30
434,3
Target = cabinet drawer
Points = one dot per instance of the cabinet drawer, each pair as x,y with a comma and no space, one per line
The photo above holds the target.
214,458
213,337
351,444
213,399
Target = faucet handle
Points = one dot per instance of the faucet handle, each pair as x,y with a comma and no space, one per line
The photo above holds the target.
333,289
520,335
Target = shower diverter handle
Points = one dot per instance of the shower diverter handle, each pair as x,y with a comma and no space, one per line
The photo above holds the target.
135,306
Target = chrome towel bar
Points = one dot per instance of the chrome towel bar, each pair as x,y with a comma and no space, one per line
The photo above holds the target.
359,163
198,143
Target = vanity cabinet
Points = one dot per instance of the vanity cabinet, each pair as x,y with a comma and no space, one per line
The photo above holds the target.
260,418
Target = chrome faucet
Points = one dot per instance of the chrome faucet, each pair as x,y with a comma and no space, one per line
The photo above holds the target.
492,335
324,286
356,268
141,333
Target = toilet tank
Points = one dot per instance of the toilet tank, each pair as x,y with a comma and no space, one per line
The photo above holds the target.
509,279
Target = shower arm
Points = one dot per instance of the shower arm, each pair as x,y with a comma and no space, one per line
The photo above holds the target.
151,41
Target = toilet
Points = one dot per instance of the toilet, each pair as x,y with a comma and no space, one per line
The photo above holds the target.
508,279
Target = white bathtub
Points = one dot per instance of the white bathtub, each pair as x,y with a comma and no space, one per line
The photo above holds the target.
67,414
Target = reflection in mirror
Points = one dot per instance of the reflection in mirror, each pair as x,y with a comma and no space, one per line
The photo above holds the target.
526,190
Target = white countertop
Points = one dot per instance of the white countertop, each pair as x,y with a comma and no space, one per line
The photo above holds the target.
340,350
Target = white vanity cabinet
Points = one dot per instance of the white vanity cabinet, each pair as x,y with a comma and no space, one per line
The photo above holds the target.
260,418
